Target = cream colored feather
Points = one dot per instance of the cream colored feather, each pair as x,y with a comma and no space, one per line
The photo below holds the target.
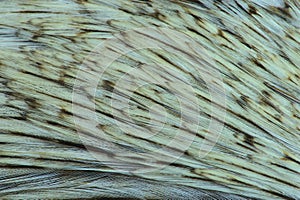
53,80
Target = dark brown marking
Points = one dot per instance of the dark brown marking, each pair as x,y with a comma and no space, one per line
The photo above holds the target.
249,139
108,85
287,157
32,102
252,10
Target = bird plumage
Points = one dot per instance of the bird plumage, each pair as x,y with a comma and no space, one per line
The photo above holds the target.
254,46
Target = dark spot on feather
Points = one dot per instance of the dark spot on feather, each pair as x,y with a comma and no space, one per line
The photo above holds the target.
296,116
245,43
179,165
249,157
245,98
109,22
265,93
224,45
36,36
198,33
285,10
278,118
220,33
58,81
32,103
82,1
252,10
197,18
127,11
64,112
248,139
287,157
256,62
108,85
241,103
158,15
267,102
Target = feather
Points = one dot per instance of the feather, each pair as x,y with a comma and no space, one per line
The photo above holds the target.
149,99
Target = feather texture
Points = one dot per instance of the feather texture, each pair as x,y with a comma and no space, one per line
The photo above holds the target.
254,47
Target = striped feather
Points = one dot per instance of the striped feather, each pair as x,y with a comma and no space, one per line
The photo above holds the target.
46,50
